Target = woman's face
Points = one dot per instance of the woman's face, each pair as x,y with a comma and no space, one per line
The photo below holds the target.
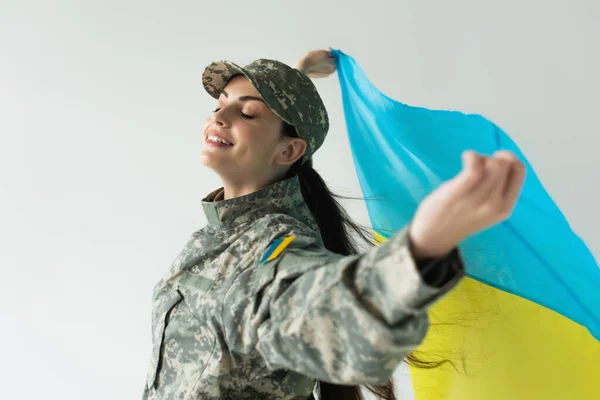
242,138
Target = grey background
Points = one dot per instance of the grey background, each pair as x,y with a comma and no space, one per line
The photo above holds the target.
101,107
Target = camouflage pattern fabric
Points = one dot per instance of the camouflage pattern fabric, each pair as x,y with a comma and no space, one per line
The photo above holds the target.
288,92
226,326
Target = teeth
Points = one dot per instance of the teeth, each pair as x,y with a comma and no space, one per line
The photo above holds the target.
218,140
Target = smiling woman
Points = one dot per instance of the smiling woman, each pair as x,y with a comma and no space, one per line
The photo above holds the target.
243,142
272,299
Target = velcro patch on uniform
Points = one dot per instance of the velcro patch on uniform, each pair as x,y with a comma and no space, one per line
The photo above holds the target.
276,248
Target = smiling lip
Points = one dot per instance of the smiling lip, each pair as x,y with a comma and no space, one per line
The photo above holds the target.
216,134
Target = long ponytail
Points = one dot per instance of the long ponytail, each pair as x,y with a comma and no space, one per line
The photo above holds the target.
336,227
341,235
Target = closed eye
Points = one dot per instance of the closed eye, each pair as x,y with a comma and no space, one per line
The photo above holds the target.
245,116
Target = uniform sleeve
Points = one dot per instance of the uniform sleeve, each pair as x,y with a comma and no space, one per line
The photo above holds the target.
340,319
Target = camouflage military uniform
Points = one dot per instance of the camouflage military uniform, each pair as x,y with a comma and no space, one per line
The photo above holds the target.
230,323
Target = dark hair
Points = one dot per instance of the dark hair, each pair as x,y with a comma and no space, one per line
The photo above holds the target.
337,230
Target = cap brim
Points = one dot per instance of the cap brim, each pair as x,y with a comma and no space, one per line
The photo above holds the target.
216,76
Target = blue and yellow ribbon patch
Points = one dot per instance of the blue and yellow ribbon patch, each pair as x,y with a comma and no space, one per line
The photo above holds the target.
276,248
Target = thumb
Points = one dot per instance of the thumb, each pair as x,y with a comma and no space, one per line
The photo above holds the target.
472,172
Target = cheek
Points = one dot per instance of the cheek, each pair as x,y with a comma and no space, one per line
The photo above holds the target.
254,145
248,137
207,122
243,135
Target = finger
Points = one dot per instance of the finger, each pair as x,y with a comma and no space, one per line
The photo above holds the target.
471,173
494,171
505,159
321,70
514,185
511,158
506,155
320,54
317,75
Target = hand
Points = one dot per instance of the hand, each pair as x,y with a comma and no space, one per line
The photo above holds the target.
317,63
483,194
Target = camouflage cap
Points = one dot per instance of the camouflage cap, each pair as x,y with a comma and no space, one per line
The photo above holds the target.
288,92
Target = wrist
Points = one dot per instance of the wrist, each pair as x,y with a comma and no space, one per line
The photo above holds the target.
422,250
301,66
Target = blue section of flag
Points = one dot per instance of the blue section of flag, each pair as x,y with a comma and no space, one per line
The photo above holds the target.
271,250
402,153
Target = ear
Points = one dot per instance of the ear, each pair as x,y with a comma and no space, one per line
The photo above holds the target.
291,150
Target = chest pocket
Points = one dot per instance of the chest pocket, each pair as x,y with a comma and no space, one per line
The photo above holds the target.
163,303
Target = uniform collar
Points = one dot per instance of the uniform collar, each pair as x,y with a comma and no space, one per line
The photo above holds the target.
283,197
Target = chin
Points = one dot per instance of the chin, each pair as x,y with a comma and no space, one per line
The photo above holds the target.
216,162
208,160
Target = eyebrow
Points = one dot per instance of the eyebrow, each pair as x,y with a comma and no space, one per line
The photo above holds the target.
244,98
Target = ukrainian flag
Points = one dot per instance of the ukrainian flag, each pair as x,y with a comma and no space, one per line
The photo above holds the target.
525,323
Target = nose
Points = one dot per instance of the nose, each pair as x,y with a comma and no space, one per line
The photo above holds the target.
220,118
